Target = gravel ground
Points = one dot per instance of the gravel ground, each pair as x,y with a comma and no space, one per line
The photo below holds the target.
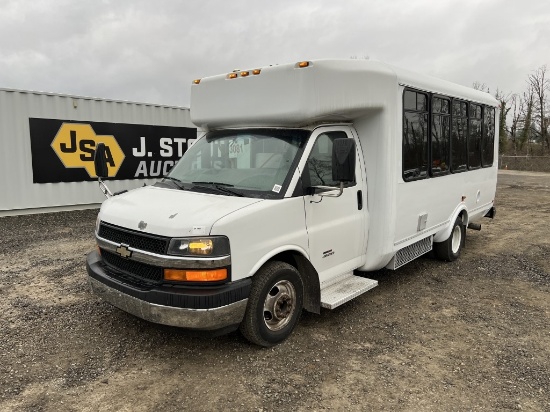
469,335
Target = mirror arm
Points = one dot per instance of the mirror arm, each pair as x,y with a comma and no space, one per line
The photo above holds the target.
103,187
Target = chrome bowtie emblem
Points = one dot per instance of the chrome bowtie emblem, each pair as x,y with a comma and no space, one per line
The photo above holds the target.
123,251
142,225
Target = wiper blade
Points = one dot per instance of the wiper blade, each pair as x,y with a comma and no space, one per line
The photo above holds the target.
220,187
177,182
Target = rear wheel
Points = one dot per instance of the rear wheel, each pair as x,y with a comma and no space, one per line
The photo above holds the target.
449,250
274,305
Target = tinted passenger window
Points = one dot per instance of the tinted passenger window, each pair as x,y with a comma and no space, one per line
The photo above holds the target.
415,136
441,136
459,133
488,137
474,137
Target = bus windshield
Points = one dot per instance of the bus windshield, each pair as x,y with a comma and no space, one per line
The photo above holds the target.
252,162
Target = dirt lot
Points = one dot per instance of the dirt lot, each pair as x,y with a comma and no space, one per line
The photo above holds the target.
468,335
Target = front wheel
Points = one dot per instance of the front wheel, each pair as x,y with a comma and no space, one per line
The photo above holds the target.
274,305
449,250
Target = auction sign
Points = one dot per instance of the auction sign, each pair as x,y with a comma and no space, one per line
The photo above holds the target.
63,150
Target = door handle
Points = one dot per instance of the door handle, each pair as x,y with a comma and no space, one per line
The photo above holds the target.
359,200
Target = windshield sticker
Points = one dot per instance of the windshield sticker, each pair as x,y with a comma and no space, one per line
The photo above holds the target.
277,188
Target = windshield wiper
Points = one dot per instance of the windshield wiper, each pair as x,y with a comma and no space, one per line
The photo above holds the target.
177,182
220,187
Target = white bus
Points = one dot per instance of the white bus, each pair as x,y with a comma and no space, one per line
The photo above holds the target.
308,174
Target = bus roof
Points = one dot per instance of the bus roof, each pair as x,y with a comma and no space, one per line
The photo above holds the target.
304,93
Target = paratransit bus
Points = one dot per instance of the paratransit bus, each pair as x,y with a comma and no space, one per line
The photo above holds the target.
308,175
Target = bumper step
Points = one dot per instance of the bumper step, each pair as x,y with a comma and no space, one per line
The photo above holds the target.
343,289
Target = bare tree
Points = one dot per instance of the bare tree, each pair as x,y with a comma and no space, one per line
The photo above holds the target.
527,120
477,85
516,105
540,85
503,99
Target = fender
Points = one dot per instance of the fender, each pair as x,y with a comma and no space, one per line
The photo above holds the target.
444,234
276,251
310,277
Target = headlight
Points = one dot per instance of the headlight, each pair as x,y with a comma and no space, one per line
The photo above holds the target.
212,246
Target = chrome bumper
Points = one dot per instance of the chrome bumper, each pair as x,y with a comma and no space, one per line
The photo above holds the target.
199,319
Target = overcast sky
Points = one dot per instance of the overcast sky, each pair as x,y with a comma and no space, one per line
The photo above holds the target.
150,51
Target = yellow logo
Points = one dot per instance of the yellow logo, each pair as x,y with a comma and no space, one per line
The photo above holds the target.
75,145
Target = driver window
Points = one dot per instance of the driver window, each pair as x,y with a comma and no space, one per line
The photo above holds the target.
318,170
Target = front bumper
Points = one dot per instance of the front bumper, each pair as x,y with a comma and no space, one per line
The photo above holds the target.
198,308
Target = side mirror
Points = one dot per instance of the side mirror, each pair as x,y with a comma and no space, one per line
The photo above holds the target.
100,161
343,160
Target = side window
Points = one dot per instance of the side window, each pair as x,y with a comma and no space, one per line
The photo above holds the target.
415,135
318,170
488,137
474,137
459,133
441,136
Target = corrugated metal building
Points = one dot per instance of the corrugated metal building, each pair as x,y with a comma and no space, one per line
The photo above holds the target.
47,142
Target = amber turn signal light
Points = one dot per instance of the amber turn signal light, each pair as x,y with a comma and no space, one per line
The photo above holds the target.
183,275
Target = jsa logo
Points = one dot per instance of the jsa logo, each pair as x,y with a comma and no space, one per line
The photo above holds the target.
75,145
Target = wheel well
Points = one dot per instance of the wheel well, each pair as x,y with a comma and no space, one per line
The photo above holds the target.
312,288
463,215
443,234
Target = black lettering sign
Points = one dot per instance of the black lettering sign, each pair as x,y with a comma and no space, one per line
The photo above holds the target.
63,150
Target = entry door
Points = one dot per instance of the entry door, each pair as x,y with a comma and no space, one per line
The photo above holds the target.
335,225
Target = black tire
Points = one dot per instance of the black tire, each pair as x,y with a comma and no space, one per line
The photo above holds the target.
449,250
274,305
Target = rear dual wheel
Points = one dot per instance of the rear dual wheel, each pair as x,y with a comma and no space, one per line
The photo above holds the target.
274,305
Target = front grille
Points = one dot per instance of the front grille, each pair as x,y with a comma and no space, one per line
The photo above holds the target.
131,271
137,240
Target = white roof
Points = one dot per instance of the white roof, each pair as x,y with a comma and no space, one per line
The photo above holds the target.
327,90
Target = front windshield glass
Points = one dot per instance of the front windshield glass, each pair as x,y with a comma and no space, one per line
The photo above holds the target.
249,162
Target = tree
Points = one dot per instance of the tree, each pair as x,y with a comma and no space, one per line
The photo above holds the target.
477,85
516,104
525,133
539,83
503,99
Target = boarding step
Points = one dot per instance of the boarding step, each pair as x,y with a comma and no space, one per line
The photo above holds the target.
343,289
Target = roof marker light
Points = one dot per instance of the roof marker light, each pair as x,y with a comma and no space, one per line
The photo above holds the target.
232,76
245,74
255,72
303,64
196,81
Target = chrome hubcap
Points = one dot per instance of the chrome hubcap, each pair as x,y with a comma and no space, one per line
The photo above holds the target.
279,305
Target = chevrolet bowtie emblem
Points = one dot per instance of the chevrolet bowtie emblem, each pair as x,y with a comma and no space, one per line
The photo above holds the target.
123,251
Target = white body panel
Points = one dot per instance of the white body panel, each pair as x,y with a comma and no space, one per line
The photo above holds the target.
170,212
335,226
261,231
